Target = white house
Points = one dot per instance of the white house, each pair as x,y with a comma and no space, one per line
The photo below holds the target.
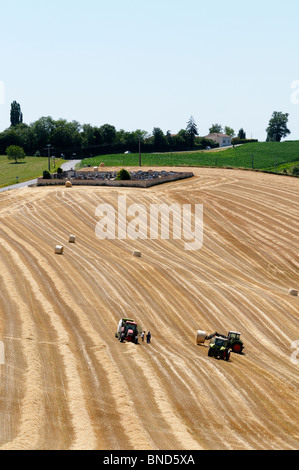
222,139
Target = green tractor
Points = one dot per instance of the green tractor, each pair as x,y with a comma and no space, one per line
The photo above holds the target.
219,348
235,343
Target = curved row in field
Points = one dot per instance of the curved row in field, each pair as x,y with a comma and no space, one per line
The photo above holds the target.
67,383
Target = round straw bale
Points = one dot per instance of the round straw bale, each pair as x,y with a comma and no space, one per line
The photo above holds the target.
72,239
59,250
293,292
137,253
200,337
68,184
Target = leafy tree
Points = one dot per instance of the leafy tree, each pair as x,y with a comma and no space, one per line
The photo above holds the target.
66,134
88,137
14,152
180,140
229,131
16,116
242,134
277,128
108,134
191,131
42,130
215,128
159,138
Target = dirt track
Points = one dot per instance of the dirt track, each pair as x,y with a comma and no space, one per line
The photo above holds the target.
67,383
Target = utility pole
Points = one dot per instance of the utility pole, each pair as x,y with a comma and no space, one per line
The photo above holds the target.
139,152
49,157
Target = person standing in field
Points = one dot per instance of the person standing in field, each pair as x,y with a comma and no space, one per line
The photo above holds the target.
148,337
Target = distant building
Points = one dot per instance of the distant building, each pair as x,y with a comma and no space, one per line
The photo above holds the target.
222,139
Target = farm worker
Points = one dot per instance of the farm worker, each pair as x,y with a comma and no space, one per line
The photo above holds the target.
148,337
142,335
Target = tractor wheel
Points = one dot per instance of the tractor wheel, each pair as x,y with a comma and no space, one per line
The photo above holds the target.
223,355
237,348
210,352
227,356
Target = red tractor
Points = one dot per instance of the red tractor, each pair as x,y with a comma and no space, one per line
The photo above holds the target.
127,331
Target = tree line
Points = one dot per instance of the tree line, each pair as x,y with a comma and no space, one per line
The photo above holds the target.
70,138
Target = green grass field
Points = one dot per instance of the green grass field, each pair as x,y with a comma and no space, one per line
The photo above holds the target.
25,170
264,156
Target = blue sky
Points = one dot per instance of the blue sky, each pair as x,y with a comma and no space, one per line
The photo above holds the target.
145,64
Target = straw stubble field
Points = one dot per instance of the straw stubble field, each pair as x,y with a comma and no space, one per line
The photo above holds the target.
67,383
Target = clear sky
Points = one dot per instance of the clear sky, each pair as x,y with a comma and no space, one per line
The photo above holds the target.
141,64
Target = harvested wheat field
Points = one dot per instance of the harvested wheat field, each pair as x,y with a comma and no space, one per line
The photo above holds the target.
67,383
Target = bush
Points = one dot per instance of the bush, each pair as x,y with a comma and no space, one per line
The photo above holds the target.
295,170
46,175
123,175
238,141
59,171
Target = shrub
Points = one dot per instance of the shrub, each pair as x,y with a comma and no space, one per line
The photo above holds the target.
46,175
295,170
123,175
59,171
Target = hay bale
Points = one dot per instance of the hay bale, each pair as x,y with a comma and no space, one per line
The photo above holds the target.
200,337
72,239
293,292
68,184
137,253
59,250
102,165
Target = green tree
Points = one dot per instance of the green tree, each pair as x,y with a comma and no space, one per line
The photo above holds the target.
14,152
66,134
277,128
191,131
215,128
180,140
16,116
42,131
242,134
229,131
159,138
108,134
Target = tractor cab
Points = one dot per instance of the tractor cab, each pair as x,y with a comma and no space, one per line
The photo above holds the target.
221,342
131,328
129,332
233,335
236,343
220,348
